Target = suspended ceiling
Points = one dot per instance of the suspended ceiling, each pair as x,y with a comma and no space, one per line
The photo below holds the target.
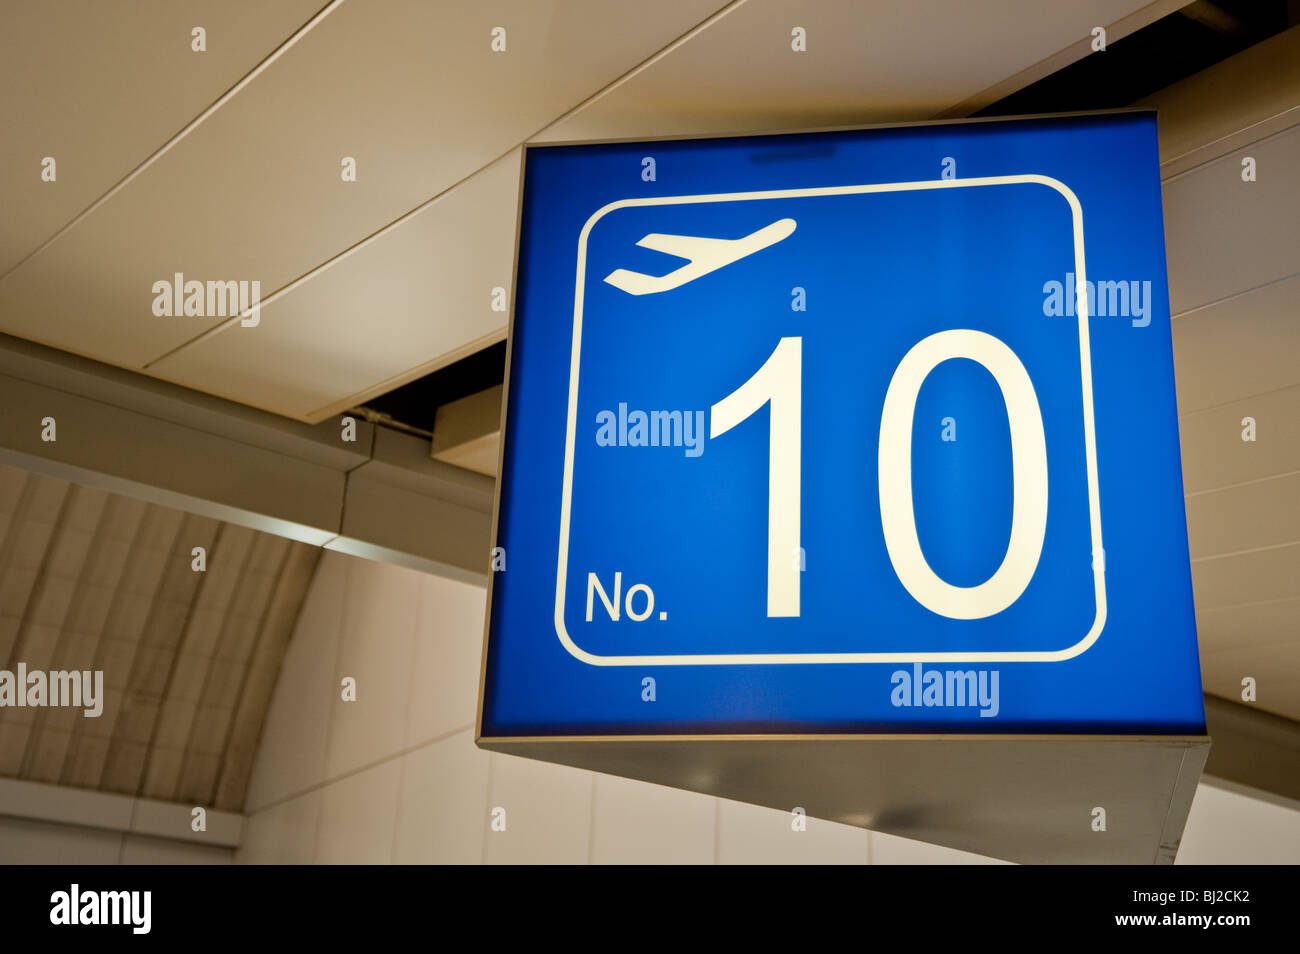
226,164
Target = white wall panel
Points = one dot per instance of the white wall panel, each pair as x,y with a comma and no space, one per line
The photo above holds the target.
431,800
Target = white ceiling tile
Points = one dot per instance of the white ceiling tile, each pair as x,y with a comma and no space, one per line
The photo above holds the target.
1245,345
100,86
390,311
1214,455
1247,577
1247,516
411,89
1250,624
1224,236
1275,669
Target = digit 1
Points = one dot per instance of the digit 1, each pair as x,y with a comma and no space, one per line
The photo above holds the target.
778,381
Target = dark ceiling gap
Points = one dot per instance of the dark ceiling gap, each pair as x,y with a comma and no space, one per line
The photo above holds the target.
416,404
1165,51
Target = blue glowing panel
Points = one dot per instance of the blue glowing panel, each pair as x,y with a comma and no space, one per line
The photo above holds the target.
844,432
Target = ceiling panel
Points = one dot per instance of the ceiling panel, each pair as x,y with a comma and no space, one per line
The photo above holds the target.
1214,455
411,89
417,296
1256,233
376,318
1247,577
1247,344
254,193
1261,514
1250,624
1234,272
867,62
1275,669
100,87
1207,111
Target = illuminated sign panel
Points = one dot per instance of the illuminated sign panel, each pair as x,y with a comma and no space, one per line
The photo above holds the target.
855,431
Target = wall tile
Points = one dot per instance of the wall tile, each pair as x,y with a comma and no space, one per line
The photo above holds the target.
356,817
443,810
548,812
379,612
291,754
1227,828
284,834
640,823
448,654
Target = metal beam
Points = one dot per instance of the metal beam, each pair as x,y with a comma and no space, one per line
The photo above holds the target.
379,496
404,507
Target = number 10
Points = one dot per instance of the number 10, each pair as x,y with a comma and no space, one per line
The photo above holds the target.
779,382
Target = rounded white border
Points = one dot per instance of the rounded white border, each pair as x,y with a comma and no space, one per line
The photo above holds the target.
731,659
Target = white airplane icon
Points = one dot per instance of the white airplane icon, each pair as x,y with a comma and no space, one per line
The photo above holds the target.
704,255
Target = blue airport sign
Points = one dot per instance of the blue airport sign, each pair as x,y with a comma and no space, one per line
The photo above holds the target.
844,432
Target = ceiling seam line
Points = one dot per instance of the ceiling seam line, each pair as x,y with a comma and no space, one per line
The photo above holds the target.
39,579
1224,140
78,599
7,545
195,596
40,717
323,266
1244,397
114,608
1241,483
237,596
410,213
1174,316
122,506
639,68
1238,649
176,138
118,737
1246,552
1235,606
